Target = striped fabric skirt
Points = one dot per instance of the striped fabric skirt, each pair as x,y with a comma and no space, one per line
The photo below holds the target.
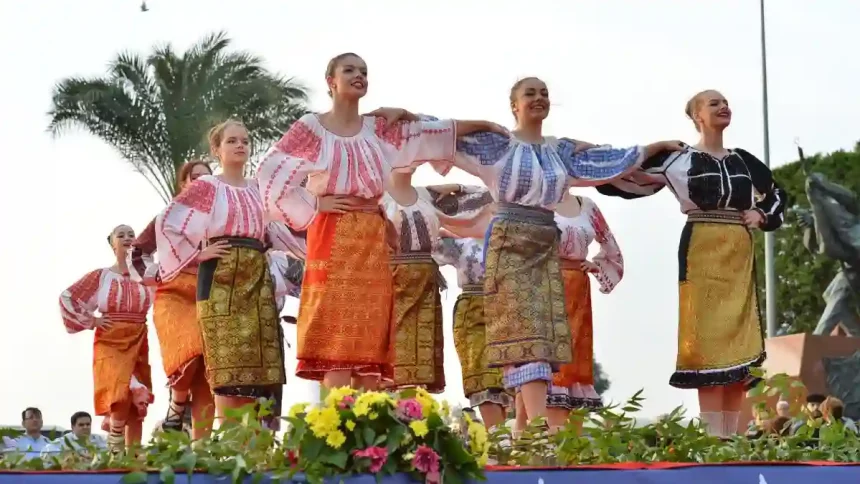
239,320
527,329
344,321
120,357
719,331
174,315
417,319
481,384
573,385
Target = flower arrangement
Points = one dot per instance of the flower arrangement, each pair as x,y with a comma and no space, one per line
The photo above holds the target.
383,434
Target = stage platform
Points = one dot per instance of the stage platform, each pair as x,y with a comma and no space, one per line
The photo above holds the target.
620,474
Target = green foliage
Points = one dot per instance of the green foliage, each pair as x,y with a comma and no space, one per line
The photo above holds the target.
332,440
611,435
156,111
801,276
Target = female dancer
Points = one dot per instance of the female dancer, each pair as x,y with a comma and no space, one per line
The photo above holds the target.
174,314
481,384
581,223
527,329
345,311
236,301
120,348
417,314
725,193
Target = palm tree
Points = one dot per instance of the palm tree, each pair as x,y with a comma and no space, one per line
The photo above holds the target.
156,111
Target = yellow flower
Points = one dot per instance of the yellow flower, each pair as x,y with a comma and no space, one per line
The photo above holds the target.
323,421
365,401
428,404
350,425
298,408
335,395
419,427
373,416
335,439
479,444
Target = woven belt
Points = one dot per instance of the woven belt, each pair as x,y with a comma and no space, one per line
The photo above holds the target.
473,289
126,317
412,258
732,217
245,242
522,213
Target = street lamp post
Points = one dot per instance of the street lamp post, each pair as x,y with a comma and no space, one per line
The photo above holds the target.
769,271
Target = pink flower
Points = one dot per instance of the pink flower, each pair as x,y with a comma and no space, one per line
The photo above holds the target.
409,410
377,455
427,461
346,402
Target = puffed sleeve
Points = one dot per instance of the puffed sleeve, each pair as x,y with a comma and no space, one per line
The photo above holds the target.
609,260
590,165
181,228
408,143
447,251
79,302
647,180
477,152
773,198
282,172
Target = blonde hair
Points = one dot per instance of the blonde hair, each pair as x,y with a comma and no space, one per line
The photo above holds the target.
693,106
334,62
216,134
515,88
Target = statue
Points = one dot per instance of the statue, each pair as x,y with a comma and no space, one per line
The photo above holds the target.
832,228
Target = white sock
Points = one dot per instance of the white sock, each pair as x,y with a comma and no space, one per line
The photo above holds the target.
713,423
730,423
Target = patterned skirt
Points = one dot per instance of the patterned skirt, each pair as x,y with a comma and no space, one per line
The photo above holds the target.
573,385
345,305
527,328
417,319
174,315
239,321
481,384
120,355
719,331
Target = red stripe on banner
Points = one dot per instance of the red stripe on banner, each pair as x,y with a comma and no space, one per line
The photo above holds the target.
622,466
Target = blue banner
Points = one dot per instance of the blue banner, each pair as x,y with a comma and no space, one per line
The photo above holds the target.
698,475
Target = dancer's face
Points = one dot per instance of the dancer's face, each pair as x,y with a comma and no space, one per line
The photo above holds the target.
196,172
713,111
349,80
531,101
234,146
121,239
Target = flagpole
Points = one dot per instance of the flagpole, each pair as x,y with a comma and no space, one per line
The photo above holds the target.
769,270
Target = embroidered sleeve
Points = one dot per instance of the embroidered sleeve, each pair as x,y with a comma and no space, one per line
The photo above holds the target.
282,174
647,180
142,267
286,240
447,251
408,143
79,302
182,227
479,150
609,260
773,198
589,165
286,273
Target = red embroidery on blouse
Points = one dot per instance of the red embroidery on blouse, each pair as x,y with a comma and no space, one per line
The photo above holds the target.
301,142
83,290
396,135
200,196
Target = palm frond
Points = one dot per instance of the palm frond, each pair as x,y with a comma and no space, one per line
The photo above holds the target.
156,110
